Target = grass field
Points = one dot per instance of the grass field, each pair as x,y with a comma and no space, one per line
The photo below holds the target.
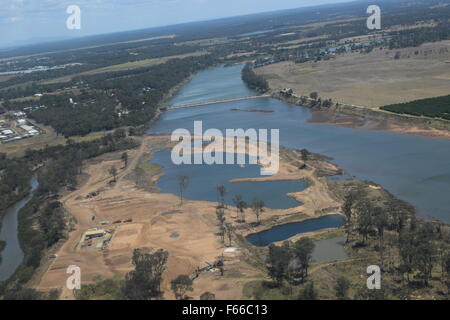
370,80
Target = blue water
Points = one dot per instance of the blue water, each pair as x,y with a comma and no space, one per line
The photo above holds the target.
203,181
414,168
288,230
224,87
12,255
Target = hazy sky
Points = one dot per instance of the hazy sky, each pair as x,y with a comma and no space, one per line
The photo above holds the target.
29,20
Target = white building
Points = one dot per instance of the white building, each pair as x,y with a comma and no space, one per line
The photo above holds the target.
7,132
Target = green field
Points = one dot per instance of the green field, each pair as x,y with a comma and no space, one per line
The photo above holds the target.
438,107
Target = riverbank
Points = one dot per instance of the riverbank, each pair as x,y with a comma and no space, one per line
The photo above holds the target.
357,117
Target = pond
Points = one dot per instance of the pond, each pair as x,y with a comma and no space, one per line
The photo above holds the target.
203,181
288,230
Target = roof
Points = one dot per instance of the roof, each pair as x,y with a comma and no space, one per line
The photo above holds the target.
92,232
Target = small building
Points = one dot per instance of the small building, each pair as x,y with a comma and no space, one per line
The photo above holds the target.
33,132
94,233
7,132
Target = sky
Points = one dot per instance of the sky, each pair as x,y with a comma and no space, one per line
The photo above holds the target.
25,21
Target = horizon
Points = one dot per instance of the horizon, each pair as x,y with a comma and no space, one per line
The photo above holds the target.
28,24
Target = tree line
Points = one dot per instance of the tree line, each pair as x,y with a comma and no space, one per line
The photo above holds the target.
254,81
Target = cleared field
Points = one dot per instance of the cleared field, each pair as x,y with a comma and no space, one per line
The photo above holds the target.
370,80
187,232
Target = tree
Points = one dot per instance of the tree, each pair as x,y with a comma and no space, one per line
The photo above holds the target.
236,200
180,286
303,250
229,231
124,158
426,251
278,262
221,192
221,219
347,210
241,205
145,280
314,95
342,286
327,103
446,271
258,208
208,296
364,211
304,154
183,182
381,222
113,172
308,292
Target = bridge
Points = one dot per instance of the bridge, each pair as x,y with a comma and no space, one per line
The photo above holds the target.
215,102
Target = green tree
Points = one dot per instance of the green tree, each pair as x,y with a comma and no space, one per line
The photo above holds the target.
144,282
207,296
180,286
308,292
258,208
342,286
241,205
124,158
303,250
183,182
347,210
278,262
221,192
113,172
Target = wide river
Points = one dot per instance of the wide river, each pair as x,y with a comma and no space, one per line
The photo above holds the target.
415,169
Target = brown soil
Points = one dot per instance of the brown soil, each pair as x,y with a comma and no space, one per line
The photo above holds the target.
157,217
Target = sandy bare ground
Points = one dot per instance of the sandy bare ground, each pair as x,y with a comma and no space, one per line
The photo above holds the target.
187,232
355,122
370,80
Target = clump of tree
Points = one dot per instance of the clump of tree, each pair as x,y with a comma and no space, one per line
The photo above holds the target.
391,225
181,285
290,261
144,282
254,81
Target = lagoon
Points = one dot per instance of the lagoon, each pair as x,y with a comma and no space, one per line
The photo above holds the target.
414,168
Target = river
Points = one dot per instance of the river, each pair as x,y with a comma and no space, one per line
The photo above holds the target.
12,255
414,168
